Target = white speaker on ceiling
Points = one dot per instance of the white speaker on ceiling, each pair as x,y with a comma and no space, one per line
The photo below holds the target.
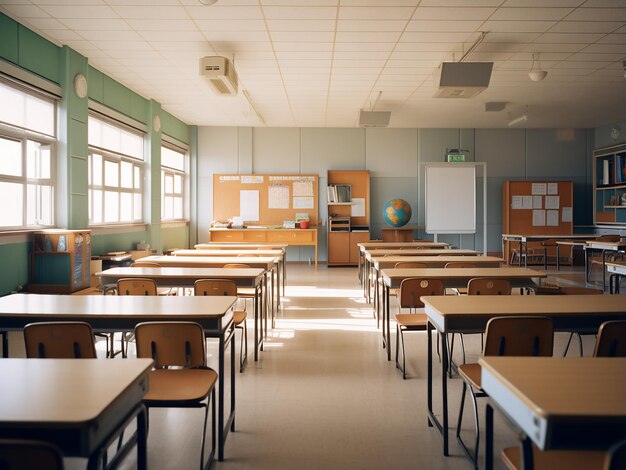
374,118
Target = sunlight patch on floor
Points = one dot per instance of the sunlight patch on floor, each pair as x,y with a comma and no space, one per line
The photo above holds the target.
313,291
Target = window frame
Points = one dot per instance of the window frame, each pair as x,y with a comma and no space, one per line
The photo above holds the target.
17,133
169,143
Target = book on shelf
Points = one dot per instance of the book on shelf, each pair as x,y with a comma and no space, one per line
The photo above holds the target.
605,171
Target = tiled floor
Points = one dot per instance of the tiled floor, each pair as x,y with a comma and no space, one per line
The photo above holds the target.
323,394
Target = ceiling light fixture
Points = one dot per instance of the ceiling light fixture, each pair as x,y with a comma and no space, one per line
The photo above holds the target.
207,2
518,120
536,75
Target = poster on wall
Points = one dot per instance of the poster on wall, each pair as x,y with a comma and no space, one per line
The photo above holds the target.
278,196
249,205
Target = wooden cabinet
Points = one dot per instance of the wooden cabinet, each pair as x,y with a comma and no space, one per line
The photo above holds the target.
348,220
60,261
609,185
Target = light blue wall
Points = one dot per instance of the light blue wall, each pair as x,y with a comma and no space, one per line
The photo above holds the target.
395,159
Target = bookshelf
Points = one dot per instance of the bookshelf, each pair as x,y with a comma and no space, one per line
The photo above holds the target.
609,185
348,201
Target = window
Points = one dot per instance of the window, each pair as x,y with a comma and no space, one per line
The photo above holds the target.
27,163
172,183
115,173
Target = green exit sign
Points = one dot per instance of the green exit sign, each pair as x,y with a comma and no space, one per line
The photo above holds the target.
455,157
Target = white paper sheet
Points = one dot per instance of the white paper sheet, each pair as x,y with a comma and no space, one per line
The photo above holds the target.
539,189
552,218
252,179
537,202
552,202
303,202
358,207
278,196
527,202
567,214
516,202
539,218
302,188
249,205
553,188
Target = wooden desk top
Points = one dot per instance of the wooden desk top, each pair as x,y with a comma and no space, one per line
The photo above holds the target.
606,245
547,236
265,262
231,252
61,392
458,312
420,252
198,273
560,402
434,261
462,273
239,246
125,306
389,245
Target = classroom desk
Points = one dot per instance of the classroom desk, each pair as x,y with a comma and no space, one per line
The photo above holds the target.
287,236
573,244
523,239
186,277
558,403
81,406
122,312
606,249
451,277
379,245
269,263
425,251
616,271
470,314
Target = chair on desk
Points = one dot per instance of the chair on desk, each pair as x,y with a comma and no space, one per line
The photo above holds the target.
59,340
227,287
18,454
505,336
180,378
411,289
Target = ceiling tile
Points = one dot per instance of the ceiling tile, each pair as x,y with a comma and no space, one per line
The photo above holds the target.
613,39
320,36
605,49
371,25
161,25
217,12
364,46
174,36
387,36
301,25
528,14
79,11
410,36
303,46
543,3
440,25
572,38
96,24
375,13
585,27
25,11
236,37
306,55
300,13
598,14
457,13
46,24
111,36
360,55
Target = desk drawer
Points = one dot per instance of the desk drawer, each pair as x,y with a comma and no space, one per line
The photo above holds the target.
255,235
227,236
287,236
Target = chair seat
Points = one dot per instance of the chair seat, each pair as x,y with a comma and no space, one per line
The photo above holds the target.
180,385
471,373
239,317
166,291
246,292
412,321
555,459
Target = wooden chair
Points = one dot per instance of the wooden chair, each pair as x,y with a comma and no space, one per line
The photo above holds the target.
595,258
460,264
189,383
577,291
152,264
616,458
59,340
535,251
243,292
227,287
411,289
611,340
18,454
505,336
134,286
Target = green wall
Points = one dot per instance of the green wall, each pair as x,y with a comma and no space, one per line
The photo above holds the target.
28,50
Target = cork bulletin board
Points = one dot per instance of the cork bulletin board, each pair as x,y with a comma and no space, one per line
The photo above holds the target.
265,199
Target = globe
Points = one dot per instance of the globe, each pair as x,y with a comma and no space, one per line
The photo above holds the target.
397,212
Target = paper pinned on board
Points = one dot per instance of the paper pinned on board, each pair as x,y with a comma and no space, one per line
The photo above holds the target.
358,207
567,214
537,202
552,219
553,188
249,205
516,202
527,202
539,189
539,218
552,202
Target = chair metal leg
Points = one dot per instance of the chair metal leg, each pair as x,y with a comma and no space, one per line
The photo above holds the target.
471,456
211,399
403,366
580,344
243,348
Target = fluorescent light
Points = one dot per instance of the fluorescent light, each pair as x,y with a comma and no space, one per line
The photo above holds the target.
518,120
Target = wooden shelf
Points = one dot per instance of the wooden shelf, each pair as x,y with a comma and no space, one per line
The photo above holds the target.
615,207
340,203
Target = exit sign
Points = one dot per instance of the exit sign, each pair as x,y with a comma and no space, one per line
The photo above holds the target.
455,157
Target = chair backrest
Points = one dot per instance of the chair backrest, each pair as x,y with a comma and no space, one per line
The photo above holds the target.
616,457
550,242
410,265
460,264
609,238
215,287
17,454
411,289
136,286
171,343
488,286
236,265
519,336
611,340
580,291
59,340
145,264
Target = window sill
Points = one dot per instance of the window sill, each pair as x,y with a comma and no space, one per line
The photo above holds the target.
174,223
117,228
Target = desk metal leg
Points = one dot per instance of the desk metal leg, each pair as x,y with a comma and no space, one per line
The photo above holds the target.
488,437
142,438
5,343
586,250
380,309
257,314
224,426
604,252
526,448
558,257
433,421
525,253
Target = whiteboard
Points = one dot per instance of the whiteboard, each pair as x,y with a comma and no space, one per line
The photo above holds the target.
450,198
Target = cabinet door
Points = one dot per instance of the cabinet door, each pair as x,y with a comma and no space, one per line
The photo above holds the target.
338,248
357,237
255,235
226,236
